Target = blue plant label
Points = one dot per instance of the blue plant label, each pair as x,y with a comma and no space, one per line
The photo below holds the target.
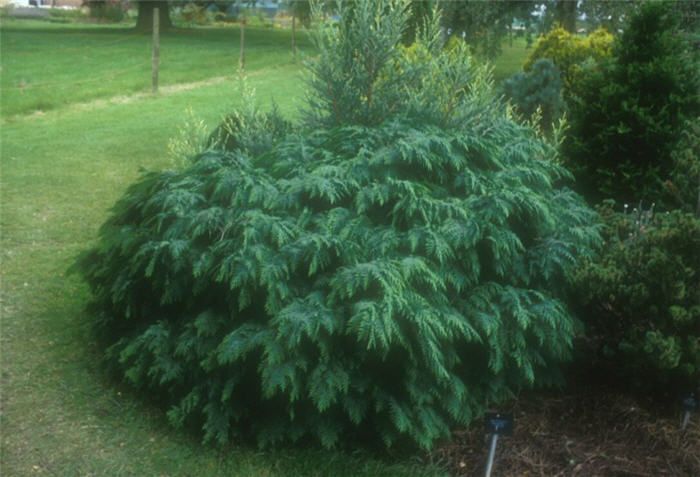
497,423
690,403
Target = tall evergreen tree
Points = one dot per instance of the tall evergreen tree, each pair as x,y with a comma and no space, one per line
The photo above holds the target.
485,24
627,118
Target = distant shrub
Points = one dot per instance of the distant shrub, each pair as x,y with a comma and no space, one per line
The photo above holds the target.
108,10
257,18
61,15
569,52
192,14
641,299
538,88
6,10
382,273
629,114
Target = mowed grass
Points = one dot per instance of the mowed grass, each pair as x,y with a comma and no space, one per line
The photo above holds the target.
60,172
45,66
511,59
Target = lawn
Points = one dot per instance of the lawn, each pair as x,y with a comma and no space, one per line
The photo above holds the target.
511,59
46,65
78,126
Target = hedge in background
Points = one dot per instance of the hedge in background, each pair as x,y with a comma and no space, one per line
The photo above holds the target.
382,274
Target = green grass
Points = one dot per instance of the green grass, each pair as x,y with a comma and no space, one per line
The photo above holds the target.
45,65
511,59
60,172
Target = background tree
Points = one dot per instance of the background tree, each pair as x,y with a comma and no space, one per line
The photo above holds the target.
300,10
628,114
144,21
107,10
609,14
572,54
485,24
565,14
688,14
556,13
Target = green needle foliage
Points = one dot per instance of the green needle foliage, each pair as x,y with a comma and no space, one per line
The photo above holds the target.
641,300
375,273
630,113
539,88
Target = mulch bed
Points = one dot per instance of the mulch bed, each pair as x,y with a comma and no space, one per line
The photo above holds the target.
589,433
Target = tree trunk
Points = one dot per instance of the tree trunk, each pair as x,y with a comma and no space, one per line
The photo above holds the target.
156,47
565,14
144,22
510,33
294,35
241,61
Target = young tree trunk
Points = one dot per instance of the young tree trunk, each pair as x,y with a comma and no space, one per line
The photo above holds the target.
241,61
565,14
156,48
294,35
510,33
144,21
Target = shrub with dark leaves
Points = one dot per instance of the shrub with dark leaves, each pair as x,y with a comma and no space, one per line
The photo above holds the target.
630,113
641,299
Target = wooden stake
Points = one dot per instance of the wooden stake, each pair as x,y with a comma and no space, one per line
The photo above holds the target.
241,62
156,48
510,32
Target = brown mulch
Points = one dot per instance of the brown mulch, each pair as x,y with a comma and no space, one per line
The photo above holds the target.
586,434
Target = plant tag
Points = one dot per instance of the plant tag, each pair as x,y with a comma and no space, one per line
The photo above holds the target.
690,404
497,423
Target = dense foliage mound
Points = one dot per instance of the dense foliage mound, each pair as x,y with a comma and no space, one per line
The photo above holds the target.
627,118
641,299
538,89
570,53
384,277
682,189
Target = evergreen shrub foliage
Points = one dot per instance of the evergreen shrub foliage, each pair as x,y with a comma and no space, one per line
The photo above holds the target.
628,116
538,89
251,131
682,189
641,299
571,54
379,275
